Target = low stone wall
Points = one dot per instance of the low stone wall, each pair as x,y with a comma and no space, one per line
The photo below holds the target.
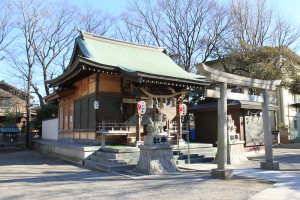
70,152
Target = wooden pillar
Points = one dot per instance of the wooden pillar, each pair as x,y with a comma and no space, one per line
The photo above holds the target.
103,135
138,129
97,122
154,109
97,95
178,119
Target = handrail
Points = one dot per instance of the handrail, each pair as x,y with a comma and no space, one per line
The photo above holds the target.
187,142
105,128
184,126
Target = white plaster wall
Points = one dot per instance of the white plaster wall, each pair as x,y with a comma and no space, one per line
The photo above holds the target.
50,129
290,113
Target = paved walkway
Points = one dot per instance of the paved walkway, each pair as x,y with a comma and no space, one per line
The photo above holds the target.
30,175
287,180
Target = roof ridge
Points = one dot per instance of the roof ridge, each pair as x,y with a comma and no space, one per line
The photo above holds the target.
120,42
2,82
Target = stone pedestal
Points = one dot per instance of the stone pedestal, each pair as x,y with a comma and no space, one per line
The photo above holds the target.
270,165
235,153
222,173
156,159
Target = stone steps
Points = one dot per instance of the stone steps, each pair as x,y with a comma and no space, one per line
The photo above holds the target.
118,156
125,158
113,161
197,155
109,167
200,159
183,156
124,149
114,158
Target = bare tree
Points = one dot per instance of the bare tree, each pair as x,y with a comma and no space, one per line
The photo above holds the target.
6,27
188,29
54,41
130,29
258,38
286,32
95,21
31,21
28,26
256,24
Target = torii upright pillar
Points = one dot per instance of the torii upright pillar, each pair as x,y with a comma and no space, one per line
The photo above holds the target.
269,163
222,171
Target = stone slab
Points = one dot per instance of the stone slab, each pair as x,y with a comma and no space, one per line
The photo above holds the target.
222,173
270,165
120,149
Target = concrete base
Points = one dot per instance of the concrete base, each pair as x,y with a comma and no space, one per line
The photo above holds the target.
270,165
156,159
222,173
70,152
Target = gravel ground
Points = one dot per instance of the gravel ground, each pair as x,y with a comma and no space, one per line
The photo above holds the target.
28,174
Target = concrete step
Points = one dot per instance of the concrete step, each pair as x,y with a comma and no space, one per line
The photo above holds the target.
182,156
180,162
108,167
200,151
118,156
197,155
116,149
199,160
210,154
194,146
107,160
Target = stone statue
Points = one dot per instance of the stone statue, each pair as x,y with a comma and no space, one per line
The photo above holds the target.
231,128
156,126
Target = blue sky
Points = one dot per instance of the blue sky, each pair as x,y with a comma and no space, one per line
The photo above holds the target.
289,8
112,6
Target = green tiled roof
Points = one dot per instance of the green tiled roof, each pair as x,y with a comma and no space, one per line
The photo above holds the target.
132,57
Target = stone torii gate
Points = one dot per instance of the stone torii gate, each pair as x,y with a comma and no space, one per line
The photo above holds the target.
223,79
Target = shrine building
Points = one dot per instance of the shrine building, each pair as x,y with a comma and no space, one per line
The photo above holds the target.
103,82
